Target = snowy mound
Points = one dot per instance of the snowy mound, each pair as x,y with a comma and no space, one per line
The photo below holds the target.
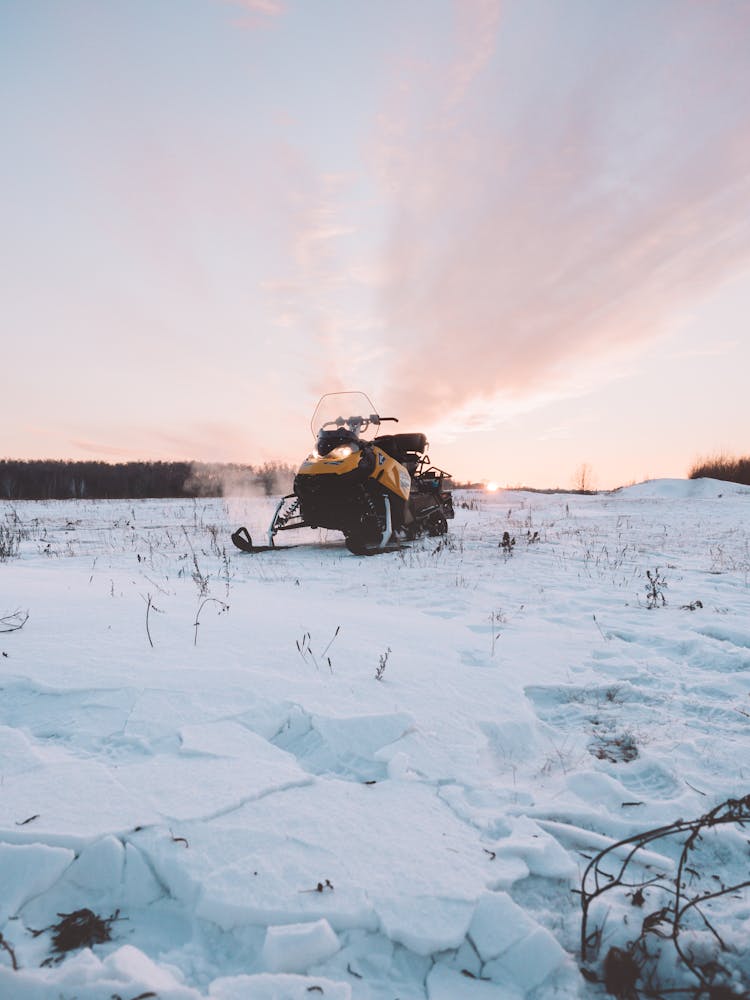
681,489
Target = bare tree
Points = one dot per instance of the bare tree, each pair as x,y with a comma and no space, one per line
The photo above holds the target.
583,478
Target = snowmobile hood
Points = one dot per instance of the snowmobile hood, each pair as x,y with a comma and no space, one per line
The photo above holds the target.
338,462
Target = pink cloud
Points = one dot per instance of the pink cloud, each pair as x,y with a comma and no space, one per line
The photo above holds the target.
476,28
271,8
566,213
103,451
213,441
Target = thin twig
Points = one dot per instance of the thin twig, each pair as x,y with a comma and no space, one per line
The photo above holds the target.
207,600
13,622
148,630
4,944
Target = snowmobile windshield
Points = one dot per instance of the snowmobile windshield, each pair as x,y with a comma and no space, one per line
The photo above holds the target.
346,415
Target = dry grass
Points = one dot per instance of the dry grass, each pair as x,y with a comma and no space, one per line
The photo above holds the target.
724,467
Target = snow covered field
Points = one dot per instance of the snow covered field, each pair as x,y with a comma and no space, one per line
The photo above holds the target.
305,774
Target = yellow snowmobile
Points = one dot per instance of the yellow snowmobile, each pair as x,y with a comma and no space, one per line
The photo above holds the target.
377,490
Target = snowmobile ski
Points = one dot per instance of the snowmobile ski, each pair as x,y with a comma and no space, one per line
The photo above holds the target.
243,541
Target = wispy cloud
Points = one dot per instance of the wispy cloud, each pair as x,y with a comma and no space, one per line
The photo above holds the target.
254,14
719,349
103,451
593,183
484,411
476,39
270,8
203,441
320,293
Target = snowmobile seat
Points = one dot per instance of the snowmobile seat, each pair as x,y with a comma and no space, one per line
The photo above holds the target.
399,446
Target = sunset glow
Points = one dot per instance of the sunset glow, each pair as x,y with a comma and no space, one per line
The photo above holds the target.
522,227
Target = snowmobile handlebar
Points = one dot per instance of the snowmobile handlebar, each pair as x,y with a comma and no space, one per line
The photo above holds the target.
356,424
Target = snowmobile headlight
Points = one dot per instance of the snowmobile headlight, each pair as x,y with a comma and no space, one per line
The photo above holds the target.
343,451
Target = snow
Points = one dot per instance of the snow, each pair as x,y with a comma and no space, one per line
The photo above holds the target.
261,816
126,968
297,947
278,987
497,924
28,870
682,489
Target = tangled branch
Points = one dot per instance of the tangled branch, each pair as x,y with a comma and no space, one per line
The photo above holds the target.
631,972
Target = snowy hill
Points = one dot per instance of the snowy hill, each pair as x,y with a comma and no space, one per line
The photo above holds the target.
682,489
305,773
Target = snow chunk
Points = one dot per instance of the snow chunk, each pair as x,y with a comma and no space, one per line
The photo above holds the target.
507,868
82,800
17,753
183,785
277,987
541,852
447,984
599,790
497,924
424,924
139,884
362,735
296,947
88,978
466,959
529,962
27,870
394,852
346,745
224,738
100,865
130,964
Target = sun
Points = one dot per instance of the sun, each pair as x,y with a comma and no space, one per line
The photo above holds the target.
492,487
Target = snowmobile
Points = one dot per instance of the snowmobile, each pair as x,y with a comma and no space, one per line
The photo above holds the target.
379,490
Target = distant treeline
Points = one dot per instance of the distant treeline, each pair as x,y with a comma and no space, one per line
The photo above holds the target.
45,479
724,467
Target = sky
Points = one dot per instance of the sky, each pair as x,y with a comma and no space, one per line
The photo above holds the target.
521,226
